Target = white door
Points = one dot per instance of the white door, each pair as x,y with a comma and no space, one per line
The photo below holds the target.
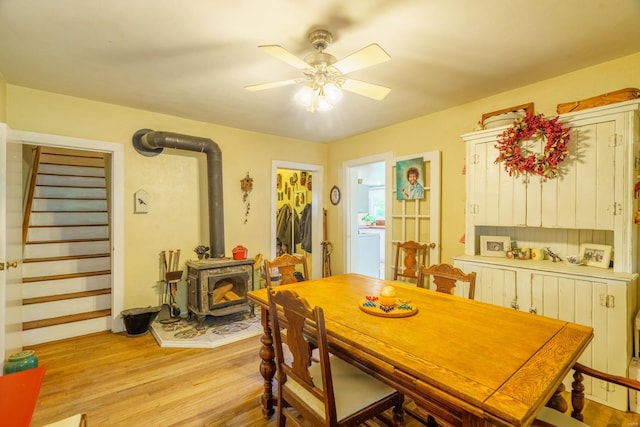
10,245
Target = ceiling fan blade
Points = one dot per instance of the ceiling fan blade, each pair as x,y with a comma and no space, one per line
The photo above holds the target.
263,86
365,57
284,55
370,90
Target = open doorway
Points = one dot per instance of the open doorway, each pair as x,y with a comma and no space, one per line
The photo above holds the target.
298,187
367,183
416,219
115,152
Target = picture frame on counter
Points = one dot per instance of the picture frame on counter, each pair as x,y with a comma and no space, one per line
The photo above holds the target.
595,255
495,246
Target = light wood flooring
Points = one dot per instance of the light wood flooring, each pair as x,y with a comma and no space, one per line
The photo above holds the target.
121,381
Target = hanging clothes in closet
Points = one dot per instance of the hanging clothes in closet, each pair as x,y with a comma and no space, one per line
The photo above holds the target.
288,228
305,228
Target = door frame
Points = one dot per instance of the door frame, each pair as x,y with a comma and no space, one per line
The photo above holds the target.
11,208
317,206
116,201
433,157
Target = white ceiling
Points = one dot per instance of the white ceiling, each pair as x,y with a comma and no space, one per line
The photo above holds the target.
193,58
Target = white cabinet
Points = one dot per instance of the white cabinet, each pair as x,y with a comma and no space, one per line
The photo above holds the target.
590,296
592,201
594,191
367,259
590,170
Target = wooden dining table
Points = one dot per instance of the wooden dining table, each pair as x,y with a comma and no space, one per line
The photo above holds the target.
467,363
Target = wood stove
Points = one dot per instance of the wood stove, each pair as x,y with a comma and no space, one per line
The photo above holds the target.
218,287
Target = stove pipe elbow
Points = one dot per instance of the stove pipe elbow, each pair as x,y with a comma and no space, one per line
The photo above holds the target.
151,143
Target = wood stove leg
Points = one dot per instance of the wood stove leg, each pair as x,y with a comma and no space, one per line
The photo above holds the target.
201,319
267,365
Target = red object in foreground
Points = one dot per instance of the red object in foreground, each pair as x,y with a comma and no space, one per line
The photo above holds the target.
19,395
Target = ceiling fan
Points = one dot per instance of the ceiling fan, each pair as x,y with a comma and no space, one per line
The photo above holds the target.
324,75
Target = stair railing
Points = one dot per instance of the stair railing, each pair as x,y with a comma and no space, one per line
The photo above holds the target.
31,191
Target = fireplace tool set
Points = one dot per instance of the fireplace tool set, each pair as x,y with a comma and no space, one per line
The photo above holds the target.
170,275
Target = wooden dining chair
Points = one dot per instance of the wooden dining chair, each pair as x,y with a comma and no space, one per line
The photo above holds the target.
331,392
413,255
445,277
287,265
548,417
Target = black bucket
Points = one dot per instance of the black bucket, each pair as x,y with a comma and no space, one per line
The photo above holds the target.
138,320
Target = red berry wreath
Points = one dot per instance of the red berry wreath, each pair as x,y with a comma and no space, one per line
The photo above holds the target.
518,159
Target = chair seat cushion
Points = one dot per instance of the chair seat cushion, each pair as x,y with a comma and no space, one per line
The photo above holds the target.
353,388
556,418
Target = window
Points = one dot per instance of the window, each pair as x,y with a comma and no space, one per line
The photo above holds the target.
376,201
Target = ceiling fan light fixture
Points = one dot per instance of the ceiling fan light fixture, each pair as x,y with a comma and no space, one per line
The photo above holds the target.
318,97
332,93
325,76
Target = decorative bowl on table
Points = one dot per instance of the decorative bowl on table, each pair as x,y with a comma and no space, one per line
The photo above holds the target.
387,304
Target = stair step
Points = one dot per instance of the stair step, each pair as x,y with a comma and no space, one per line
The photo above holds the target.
68,218
65,297
65,307
64,205
71,152
63,258
64,276
46,158
55,192
66,232
66,330
65,319
70,181
70,285
64,266
65,248
71,170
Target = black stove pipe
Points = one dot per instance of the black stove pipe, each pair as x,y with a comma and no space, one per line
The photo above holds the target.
151,143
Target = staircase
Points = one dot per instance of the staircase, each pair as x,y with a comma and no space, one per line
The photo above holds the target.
67,251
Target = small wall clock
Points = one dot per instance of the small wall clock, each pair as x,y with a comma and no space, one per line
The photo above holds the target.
334,195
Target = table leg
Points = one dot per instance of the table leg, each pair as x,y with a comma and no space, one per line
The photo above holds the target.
267,365
557,401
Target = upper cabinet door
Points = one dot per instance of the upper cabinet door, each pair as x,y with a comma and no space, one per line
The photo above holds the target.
584,196
495,198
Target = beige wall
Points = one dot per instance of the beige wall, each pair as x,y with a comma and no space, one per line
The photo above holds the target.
173,178
442,130
178,216
3,100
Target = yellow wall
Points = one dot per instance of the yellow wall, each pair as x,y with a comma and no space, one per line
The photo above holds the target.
178,217
173,178
442,130
3,100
